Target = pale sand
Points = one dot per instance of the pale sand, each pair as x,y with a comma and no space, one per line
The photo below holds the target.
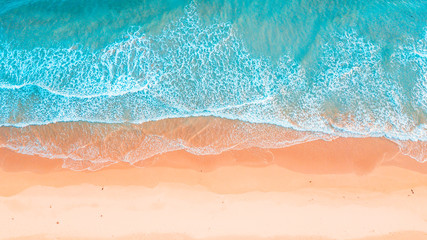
373,193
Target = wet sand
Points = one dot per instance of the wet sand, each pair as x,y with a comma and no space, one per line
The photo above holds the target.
347,188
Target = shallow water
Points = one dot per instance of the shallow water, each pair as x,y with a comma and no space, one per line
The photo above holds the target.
356,68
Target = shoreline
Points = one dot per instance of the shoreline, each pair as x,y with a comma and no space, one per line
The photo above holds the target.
347,188
341,157
92,146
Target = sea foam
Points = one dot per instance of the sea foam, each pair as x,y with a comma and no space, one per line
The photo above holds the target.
350,89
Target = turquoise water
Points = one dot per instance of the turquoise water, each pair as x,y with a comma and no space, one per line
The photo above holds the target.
344,68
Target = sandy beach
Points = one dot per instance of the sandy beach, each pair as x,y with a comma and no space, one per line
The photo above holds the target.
213,120
315,190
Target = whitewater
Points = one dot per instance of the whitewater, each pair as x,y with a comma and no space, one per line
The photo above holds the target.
345,73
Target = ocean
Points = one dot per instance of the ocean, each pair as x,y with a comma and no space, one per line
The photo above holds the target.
318,69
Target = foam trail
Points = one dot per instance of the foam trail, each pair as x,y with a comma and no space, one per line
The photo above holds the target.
102,144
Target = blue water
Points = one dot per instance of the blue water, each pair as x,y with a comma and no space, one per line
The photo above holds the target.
344,68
